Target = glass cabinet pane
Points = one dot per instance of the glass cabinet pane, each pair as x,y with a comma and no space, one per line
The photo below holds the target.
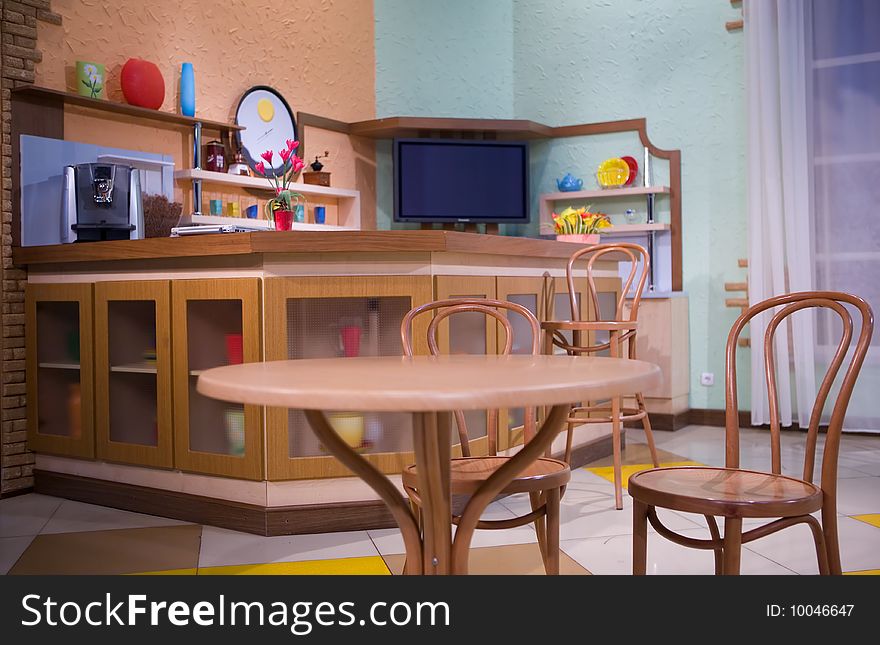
522,342
132,378
58,361
348,327
214,338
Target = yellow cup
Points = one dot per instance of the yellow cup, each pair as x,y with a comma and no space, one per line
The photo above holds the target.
349,426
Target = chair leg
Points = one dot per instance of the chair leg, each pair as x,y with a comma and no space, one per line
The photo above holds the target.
615,445
569,437
646,424
732,545
719,552
417,512
832,543
536,501
640,538
551,551
821,548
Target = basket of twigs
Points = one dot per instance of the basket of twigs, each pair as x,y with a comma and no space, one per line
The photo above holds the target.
160,215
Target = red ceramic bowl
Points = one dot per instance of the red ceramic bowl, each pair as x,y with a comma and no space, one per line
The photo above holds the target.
633,169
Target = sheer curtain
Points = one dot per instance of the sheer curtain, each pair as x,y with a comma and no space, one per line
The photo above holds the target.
813,87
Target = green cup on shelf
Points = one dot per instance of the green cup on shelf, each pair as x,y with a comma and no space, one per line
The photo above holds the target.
90,79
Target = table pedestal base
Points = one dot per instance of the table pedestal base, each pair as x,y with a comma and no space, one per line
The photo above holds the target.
431,550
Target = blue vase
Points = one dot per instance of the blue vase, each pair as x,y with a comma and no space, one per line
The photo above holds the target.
187,90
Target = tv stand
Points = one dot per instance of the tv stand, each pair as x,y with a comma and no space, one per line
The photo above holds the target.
490,229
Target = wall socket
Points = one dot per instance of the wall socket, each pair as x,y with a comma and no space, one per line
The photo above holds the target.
707,379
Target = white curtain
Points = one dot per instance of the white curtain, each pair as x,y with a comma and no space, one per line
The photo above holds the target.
780,241
813,89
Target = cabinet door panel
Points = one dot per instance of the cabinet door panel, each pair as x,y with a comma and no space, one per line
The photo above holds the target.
312,317
215,322
60,369
133,372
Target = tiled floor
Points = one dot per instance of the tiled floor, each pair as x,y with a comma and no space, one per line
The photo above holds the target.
46,535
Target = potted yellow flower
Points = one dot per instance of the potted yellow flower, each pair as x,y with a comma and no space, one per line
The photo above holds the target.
579,225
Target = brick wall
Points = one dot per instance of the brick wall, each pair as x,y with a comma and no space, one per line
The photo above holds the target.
18,44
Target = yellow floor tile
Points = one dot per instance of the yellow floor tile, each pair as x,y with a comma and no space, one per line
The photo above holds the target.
873,519
627,470
509,559
867,572
367,566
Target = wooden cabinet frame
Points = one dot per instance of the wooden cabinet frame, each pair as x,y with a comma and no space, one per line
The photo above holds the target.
159,293
246,290
84,445
278,291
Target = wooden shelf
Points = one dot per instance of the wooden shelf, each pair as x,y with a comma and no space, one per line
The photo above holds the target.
607,192
265,224
60,366
409,126
69,98
630,229
262,184
135,368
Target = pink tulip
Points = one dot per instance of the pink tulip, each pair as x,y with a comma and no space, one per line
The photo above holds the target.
260,168
298,164
267,156
292,144
285,154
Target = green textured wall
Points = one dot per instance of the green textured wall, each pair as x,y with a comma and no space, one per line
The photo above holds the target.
583,61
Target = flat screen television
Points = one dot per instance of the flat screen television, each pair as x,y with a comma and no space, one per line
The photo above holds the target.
461,180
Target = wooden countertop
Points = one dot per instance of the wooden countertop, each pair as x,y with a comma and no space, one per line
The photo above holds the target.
229,244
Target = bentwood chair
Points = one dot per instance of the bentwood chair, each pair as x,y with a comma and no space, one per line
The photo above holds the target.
735,493
544,480
621,330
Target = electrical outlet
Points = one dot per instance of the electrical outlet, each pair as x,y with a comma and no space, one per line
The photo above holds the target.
707,379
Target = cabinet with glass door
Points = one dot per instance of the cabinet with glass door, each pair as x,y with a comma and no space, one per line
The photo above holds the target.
215,322
60,369
326,317
133,416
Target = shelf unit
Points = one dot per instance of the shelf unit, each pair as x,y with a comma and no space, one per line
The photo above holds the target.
651,228
348,201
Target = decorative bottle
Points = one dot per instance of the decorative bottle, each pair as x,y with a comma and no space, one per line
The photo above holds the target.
187,90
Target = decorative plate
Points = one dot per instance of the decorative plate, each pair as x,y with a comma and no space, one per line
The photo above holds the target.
269,123
612,173
633,169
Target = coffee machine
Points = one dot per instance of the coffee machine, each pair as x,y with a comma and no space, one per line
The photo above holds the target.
101,201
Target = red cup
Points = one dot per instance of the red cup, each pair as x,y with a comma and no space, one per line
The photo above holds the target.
234,350
351,340
283,220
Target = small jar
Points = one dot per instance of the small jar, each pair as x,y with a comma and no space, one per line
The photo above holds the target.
239,167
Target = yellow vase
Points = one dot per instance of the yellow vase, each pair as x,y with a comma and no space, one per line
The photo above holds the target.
349,426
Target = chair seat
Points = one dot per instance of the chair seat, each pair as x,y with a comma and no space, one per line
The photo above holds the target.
467,473
725,492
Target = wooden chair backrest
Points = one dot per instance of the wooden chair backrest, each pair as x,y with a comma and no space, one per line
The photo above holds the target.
443,309
640,265
791,303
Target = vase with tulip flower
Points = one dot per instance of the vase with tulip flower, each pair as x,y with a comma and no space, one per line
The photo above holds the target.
280,209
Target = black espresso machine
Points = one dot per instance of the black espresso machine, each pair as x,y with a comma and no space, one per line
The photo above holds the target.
101,201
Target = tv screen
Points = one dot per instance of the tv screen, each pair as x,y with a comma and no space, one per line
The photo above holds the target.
439,180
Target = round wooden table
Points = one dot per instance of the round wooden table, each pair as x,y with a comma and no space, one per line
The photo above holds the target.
431,387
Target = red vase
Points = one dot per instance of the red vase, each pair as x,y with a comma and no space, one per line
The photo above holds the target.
283,220
142,83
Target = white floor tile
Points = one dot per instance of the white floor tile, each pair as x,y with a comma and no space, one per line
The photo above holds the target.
793,547
26,514
390,541
858,496
11,549
587,511
613,556
224,547
73,517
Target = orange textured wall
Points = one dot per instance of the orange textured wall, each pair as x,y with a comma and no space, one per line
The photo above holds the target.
318,53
